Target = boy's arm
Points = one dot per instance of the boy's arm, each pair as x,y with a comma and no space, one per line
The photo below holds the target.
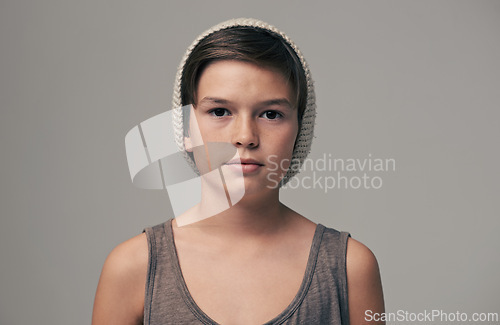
363,284
120,293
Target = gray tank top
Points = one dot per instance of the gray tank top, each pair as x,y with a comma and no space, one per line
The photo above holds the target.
321,299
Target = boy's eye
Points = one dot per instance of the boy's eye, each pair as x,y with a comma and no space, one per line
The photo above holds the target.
219,112
271,115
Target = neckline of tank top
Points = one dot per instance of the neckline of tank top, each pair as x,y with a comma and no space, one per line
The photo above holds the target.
282,316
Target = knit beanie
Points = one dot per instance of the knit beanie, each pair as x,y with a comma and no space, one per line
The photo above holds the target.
306,132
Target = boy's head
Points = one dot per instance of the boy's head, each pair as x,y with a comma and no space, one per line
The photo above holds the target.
249,44
255,42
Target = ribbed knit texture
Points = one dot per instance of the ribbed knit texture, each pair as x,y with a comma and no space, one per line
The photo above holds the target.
306,132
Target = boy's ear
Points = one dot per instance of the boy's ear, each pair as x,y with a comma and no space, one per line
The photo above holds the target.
188,144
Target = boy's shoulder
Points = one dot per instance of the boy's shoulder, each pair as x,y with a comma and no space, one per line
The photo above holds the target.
360,262
120,292
363,281
132,250
359,257
128,261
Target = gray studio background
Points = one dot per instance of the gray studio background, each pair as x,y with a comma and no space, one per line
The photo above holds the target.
416,81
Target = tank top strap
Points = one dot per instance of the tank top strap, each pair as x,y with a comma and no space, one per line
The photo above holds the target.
156,239
333,255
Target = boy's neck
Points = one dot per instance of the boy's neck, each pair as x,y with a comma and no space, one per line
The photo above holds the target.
249,218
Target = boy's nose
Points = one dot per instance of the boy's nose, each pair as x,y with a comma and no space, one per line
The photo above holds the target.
245,133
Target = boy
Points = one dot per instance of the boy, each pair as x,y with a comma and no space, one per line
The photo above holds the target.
258,261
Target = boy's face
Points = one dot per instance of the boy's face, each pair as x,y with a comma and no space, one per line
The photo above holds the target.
252,108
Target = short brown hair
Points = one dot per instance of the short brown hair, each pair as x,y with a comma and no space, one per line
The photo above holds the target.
248,44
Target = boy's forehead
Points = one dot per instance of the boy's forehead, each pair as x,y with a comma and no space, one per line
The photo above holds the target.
227,80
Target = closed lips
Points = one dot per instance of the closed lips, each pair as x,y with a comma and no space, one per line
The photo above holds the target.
244,162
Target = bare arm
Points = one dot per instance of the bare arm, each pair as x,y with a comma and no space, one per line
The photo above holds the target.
120,293
363,284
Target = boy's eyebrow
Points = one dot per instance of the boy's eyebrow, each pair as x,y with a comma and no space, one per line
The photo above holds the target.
215,100
277,101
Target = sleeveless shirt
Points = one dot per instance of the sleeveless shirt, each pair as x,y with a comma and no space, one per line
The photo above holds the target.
321,299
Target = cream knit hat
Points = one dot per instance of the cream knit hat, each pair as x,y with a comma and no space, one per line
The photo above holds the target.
306,132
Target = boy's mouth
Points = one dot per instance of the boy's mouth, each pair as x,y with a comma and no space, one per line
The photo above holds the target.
247,165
